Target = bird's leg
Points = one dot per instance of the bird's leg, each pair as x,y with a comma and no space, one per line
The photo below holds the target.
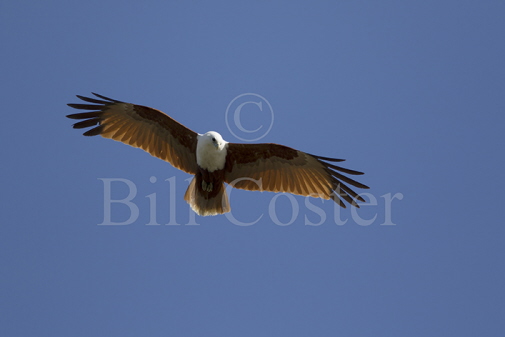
206,186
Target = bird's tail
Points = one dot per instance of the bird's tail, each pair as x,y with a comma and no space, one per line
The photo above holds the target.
207,199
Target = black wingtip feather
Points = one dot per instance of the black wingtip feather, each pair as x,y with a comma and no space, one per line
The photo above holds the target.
94,132
85,115
347,179
106,98
87,123
84,106
328,159
92,100
339,201
345,170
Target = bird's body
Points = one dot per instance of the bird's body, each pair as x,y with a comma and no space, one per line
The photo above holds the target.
213,161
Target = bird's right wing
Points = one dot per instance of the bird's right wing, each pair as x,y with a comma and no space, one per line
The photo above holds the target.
139,126
278,168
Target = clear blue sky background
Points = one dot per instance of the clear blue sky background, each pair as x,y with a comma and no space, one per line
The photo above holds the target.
411,92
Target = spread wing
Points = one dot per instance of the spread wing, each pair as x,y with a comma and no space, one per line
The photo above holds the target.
139,126
278,168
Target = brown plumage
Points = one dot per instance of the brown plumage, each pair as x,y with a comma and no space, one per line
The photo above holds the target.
254,167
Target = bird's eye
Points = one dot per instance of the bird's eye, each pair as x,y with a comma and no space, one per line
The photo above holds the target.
213,139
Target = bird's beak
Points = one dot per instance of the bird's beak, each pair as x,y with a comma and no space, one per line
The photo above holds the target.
216,144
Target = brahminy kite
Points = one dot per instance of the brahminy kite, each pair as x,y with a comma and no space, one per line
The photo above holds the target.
213,161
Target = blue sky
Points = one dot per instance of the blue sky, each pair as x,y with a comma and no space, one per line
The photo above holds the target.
410,92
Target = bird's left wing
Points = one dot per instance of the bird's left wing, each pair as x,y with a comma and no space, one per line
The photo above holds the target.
278,168
139,126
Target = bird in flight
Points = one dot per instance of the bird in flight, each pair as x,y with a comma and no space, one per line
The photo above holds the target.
214,161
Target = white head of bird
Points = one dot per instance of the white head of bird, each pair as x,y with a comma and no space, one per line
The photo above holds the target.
211,151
